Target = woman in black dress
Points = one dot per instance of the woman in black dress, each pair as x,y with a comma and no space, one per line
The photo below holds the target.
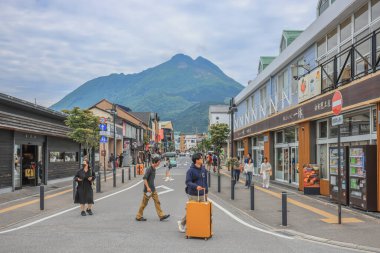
84,194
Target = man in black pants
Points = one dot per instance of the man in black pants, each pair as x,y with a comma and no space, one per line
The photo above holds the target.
149,188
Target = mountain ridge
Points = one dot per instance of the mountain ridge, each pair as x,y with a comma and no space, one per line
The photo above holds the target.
169,88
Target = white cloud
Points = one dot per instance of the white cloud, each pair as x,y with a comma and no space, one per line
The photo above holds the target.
49,48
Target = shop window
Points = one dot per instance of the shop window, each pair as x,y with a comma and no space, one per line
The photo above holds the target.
361,18
322,127
345,30
322,160
56,157
290,135
279,137
71,156
357,123
375,10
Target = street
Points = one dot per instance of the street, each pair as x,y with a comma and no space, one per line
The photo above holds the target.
113,227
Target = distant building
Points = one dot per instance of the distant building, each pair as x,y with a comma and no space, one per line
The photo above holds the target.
190,141
167,136
218,114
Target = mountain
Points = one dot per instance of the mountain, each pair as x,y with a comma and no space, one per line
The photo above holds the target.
179,90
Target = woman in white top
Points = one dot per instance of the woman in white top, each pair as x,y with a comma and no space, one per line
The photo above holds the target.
266,171
248,168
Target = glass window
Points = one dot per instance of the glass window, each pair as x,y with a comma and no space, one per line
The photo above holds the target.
290,135
279,137
332,39
374,120
375,10
71,157
322,157
321,47
345,30
324,4
322,126
56,157
361,18
357,123
252,103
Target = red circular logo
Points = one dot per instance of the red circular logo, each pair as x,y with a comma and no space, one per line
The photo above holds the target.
337,103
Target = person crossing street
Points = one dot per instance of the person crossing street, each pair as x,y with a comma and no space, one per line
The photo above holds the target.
150,192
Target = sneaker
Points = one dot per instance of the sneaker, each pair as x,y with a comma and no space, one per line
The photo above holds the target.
89,211
140,219
171,179
181,227
83,213
164,217
167,179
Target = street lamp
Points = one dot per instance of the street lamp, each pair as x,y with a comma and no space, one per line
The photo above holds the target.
232,109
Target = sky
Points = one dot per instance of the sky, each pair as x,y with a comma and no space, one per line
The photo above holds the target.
48,48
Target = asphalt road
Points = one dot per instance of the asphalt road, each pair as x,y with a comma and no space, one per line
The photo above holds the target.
113,228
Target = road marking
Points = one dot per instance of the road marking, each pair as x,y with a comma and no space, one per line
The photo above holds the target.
167,189
328,217
67,210
11,208
247,224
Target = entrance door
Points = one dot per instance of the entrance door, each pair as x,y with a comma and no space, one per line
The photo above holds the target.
294,164
32,165
286,164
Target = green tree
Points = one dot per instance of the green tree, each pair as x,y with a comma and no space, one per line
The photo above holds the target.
219,134
84,128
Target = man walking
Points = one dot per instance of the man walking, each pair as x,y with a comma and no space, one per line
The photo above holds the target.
196,181
150,191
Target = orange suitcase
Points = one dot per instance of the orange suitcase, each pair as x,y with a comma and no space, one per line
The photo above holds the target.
199,219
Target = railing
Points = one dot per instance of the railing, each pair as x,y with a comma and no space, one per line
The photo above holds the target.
358,60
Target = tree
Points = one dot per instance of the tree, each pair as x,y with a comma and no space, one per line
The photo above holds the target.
219,134
84,128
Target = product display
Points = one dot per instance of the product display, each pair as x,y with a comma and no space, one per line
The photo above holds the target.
311,179
362,172
334,174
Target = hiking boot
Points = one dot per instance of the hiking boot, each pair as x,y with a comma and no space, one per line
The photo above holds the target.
164,217
141,219
89,212
83,213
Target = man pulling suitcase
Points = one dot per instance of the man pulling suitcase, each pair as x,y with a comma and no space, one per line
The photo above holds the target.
197,190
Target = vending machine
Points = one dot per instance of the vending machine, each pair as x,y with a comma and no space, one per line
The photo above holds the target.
334,174
363,176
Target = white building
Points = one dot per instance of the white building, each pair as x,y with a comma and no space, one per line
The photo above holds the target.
218,114
190,141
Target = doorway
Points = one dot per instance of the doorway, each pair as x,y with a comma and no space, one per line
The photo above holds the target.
31,163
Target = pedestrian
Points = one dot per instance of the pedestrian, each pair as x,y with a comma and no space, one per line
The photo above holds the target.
84,193
121,157
248,168
209,161
238,167
214,162
196,182
249,156
150,192
168,168
266,172
111,159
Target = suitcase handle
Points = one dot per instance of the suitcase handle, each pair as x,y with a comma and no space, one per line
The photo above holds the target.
204,195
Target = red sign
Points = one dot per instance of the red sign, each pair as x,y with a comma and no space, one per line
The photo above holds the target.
337,103
103,120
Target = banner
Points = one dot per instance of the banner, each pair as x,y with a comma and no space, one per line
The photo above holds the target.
309,85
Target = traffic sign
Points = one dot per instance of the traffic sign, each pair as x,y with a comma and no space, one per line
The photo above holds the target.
103,139
337,120
337,103
103,120
103,127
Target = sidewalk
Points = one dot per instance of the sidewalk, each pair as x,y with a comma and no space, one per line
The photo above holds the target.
308,217
16,207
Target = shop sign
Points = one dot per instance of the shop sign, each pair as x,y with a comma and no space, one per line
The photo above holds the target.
309,85
337,120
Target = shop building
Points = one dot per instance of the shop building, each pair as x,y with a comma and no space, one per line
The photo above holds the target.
285,113
34,147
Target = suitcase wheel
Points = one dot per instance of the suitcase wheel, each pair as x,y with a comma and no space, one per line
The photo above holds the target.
187,237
